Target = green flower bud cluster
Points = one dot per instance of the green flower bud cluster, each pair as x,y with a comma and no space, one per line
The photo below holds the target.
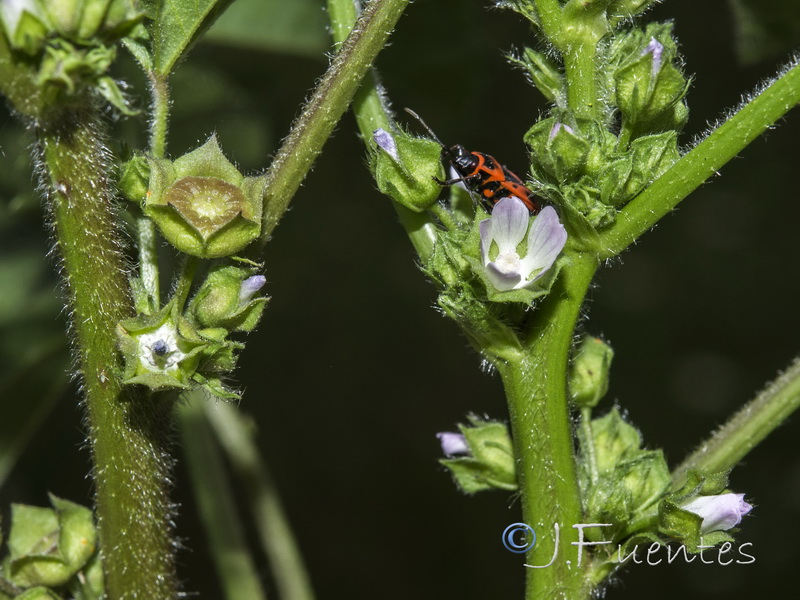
620,482
593,162
169,350
489,460
69,45
49,550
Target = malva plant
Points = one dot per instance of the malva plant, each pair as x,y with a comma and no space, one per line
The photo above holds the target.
511,264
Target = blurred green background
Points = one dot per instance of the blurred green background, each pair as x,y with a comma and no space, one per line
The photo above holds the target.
352,371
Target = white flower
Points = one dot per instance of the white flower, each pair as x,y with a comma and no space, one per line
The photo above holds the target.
720,512
159,351
506,228
453,443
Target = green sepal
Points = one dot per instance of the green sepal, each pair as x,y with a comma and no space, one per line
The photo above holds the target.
647,159
37,593
543,73
626,9
30,32
202,204
526,8
590,371
134,179
619,481
217,302
48,546
683,525
89,584
410,180
491,462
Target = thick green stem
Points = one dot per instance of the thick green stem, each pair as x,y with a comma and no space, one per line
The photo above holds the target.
371,113
704,160
326,106
583,26
215,500
536,389
128,428
747,428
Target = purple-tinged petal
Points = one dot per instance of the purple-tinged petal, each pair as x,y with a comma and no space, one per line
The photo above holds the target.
385,142
510,219
504,280
720,512
558,127
453,444
546,239
655,48
249,288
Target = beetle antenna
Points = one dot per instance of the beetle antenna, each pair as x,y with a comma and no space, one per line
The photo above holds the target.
430,131
425,125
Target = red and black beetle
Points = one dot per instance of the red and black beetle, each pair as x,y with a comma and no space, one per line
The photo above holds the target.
483,175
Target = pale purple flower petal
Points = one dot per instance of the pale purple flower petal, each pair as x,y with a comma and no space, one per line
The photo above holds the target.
453,444
249,288
719,512
655,48
510,220
385,142
546,239
558,127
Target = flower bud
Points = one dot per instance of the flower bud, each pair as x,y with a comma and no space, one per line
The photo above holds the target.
48,546
134,179
649,88
590,372
719,512
488,460
405,168
227,299
203,205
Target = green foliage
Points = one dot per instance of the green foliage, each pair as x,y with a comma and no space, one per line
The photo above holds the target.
174,26
48,547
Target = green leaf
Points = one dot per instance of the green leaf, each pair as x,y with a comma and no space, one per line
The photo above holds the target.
177,25
296,27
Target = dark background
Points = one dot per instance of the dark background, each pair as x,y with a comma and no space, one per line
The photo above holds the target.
352,371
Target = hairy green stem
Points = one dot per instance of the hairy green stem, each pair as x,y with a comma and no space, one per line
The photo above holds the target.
147,237
372,113
326,106
216,503
128,428
236,435
549,12
747,428
536,390
703,161
583,26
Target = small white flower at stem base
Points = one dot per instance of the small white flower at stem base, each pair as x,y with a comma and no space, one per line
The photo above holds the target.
453,444
507,228
719,512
